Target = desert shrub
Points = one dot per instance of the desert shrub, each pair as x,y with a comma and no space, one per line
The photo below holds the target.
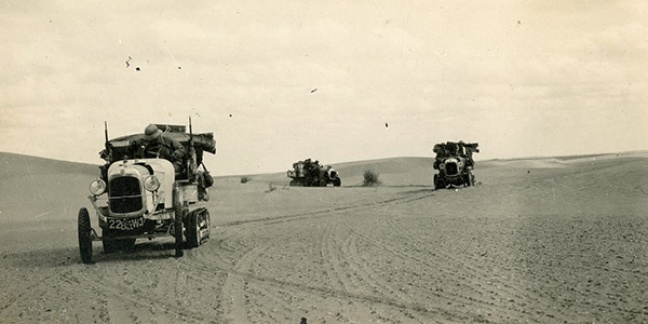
245,179
371,178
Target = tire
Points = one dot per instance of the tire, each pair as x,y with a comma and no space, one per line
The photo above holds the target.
179,210
207,224
337,182
438,182
198,227
180,214
192,229
466,180
85,236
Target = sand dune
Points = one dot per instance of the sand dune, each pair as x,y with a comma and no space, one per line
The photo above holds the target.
541,240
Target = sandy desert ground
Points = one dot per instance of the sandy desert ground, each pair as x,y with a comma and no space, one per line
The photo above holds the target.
548,240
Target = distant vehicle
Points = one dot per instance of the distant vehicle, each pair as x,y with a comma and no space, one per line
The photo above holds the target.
309,173
455,164
146,197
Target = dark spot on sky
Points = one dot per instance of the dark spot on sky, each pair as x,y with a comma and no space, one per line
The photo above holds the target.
137,68
315,89
179,67
386,124
230,115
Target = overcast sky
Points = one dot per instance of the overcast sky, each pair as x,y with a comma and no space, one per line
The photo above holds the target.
280,81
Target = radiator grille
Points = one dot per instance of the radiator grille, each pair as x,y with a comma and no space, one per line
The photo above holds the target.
125,195
451,168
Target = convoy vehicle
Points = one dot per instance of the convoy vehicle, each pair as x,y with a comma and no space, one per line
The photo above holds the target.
143,197
310,173
455,164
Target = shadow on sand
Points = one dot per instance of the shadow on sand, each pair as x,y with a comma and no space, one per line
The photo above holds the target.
67,256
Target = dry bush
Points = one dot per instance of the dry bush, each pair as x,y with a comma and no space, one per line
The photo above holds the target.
371,178
245,179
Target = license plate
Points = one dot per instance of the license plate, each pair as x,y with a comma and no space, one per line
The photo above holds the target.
125,224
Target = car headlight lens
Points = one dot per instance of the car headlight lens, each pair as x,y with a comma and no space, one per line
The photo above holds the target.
97,187
151,183
442,166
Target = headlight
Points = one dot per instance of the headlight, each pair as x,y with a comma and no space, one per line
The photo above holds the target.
97,187
151,183
442,166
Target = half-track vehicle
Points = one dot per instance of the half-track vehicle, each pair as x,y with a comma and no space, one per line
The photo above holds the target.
308,173
141,196
454,163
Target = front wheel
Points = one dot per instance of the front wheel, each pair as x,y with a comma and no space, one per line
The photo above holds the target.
439,183
337,182
85,236
178,227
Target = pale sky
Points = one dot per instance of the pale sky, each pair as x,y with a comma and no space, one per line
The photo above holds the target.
280,81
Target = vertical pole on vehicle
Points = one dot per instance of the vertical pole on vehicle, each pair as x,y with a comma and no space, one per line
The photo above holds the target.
191,159
108,148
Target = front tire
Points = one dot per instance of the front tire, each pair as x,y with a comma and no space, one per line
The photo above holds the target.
178,229
85,236
439,183
337,182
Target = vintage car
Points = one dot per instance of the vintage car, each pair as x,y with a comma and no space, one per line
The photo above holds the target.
139,197
310,173
455,164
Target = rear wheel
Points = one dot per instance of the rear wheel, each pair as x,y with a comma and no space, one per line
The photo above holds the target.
85,236
192,229
198,227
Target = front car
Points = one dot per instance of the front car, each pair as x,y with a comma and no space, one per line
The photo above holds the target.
148,197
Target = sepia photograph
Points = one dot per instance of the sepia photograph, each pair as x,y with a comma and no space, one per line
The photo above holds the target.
309,162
